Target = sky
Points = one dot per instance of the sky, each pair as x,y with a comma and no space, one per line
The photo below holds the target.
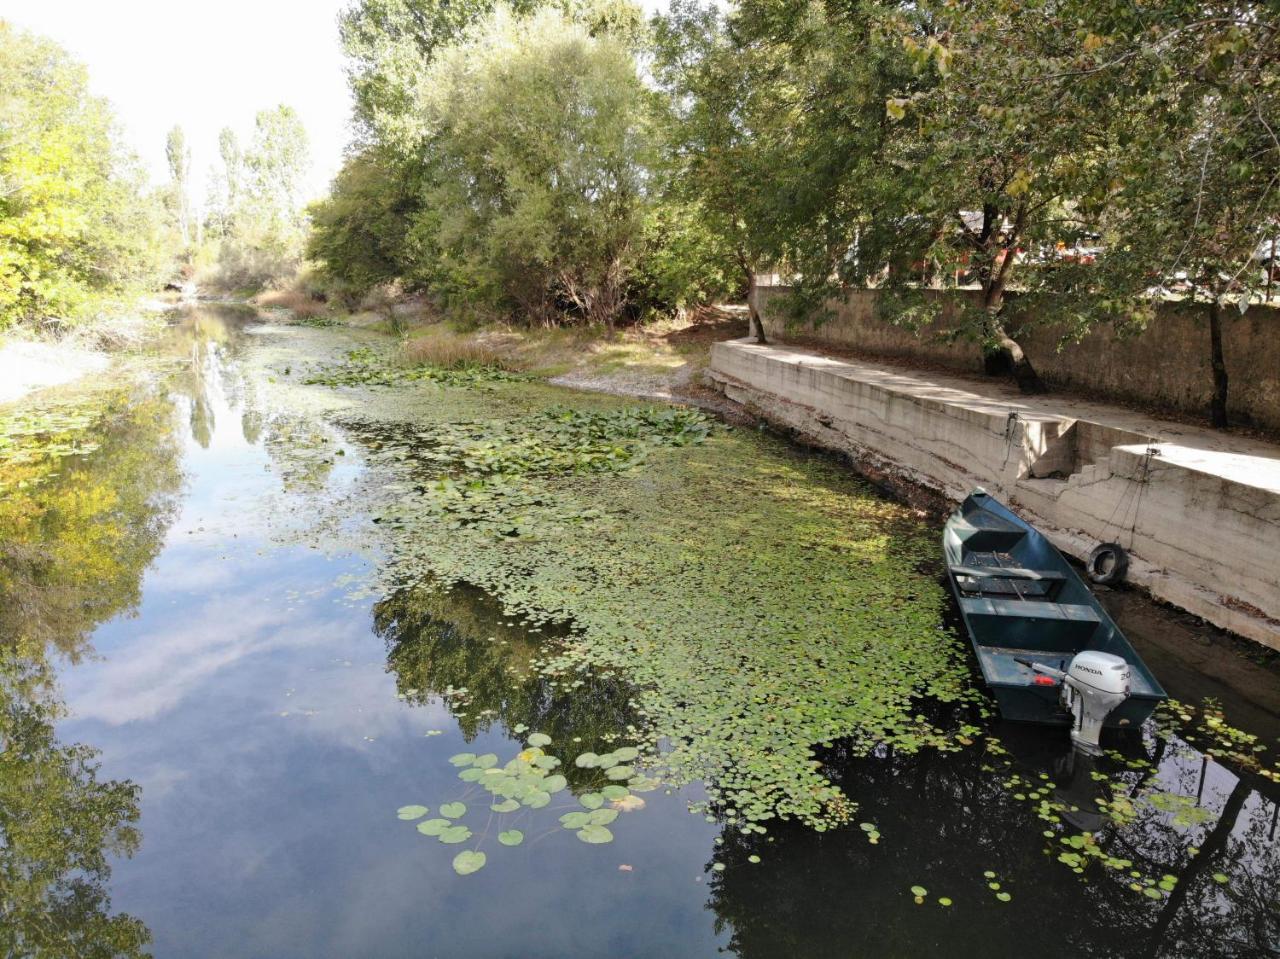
205,66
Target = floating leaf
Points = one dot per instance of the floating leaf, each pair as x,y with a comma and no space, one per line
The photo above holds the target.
433,827
1220,877
468,861
591,800
455,834
539,739
487,761
555,783
595,834
1003,896
919,891
536,798
507,805
574,820
615,792
620,772
511,837
463,759
753,858
453,810
586,761
626,754
602,817
943,901
411,812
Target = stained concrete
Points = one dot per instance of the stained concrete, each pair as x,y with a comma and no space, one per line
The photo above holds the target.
1199,512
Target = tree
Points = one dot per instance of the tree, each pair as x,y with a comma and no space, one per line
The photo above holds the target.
538,143
77,226
178,155
1200,181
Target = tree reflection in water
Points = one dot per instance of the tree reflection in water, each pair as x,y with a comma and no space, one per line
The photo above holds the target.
77,531
439,642
947,819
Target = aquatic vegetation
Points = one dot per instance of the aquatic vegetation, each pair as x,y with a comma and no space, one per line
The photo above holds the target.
672,552
365,367
527,782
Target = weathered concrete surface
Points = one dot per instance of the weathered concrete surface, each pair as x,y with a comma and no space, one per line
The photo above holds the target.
1200,518
1167,366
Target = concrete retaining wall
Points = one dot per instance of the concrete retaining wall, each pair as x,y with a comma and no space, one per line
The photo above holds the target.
1201,541
1167,366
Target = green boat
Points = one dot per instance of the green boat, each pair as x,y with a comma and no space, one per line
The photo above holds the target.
1047,649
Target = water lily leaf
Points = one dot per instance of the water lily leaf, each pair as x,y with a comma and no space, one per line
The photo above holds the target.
453,835
620,772
433,827
546,762
471,775
595,834
487,761
1003,896
411,812
536,799
468,861
555,783
606,761
591,800
919,891
628,803
943,901
511,837
615,792
452,810
539,739
626,754
586,761
753,858
463,759
574,820
602,817
507,805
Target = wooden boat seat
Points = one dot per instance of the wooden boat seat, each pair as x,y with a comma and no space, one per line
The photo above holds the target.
983,532
1032,623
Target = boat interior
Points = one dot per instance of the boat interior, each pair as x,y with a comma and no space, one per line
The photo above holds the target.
1023,601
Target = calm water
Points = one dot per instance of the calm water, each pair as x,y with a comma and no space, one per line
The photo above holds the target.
273,723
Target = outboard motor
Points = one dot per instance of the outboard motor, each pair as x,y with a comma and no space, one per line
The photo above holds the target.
1094,684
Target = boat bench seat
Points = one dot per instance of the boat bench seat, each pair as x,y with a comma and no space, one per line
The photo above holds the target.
1008,572
1022,609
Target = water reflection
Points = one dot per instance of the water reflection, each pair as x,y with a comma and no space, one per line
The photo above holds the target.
77,531
947,820
441,642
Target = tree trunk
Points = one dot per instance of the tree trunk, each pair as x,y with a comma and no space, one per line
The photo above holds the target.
1218,404
1008,357
754,323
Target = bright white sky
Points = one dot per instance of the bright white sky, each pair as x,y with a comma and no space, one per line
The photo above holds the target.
205,66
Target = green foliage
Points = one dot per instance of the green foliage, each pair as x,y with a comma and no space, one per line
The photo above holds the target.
77,228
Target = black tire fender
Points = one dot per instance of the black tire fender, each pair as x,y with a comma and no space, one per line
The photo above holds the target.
1108,564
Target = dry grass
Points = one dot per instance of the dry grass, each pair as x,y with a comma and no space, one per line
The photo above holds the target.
294,300
438,345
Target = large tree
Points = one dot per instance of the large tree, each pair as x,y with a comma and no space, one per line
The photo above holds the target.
76,223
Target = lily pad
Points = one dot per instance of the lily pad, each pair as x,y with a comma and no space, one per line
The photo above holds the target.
433,827
511,837
454,835
453,810
591,800
620,772
602,817
613,792
586,761
536,798
919,891
575,820
595,834
468,861
487,761
626,754
539,739
555,783
463,759
507,805
411,812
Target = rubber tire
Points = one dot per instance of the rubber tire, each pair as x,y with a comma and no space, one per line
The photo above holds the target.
1106,573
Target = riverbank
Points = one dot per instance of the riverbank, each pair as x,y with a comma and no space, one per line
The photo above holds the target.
1198,511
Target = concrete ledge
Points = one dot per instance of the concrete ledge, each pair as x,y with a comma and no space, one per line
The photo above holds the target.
1199,514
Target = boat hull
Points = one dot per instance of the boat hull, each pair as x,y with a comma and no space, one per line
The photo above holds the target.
1021,601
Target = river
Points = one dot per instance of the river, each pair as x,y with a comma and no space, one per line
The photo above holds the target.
285,625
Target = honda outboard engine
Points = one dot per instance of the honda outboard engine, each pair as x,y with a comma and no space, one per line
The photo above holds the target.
1094,684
